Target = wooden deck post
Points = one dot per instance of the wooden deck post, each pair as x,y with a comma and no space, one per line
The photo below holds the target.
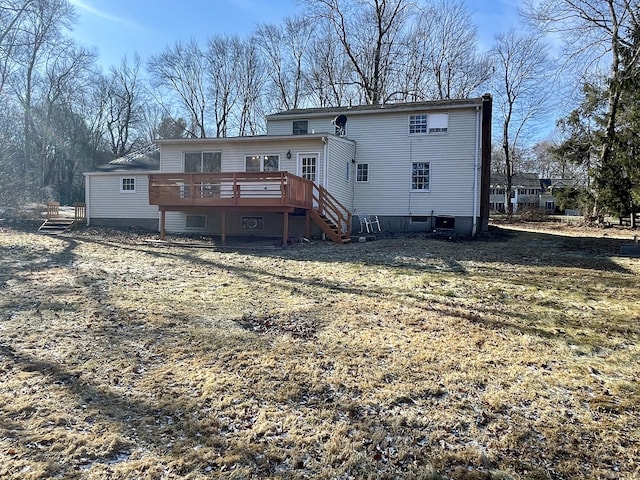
224,227
162,218
285,229
307,227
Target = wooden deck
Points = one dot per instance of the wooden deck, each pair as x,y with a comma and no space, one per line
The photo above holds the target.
275,191
279,192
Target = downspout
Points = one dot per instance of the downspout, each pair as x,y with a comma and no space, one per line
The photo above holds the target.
474,228
87,197
352,177
325,176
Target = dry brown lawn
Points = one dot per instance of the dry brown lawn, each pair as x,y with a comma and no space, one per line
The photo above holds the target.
511,357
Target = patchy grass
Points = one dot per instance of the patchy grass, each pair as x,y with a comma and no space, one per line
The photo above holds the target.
516,357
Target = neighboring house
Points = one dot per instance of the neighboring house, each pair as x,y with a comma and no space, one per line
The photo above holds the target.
528,192
417,166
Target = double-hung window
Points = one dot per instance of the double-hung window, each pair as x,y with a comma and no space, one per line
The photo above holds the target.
300,127
362,172
420,173
262,163
418,123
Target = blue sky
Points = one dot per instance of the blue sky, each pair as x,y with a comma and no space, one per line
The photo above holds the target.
121,27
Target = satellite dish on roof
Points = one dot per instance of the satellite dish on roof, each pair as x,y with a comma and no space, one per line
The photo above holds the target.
341,123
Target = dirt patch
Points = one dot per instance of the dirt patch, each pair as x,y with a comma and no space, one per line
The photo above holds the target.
512,356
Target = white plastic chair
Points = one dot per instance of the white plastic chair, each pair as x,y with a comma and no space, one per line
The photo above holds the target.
369,223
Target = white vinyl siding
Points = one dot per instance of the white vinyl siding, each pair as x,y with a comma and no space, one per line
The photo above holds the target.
234,153
384,143
341,152
105,201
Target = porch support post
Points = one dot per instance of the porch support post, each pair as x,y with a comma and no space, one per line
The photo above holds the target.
285,228
224,227
162,219
307,229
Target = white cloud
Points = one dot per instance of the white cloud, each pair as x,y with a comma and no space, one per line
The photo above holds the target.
99,13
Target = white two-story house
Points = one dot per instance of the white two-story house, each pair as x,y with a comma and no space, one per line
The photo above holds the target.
416,166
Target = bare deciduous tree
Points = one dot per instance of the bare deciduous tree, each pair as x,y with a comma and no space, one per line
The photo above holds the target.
329,76
595,32
40,29
444,42
251,83
370,33
285,48
123,105
181,71
522,92
224,56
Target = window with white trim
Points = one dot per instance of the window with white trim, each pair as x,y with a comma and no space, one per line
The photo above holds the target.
432,123
362,172
199,162
300,127
127,185
438,122
418,123
420,175
262,163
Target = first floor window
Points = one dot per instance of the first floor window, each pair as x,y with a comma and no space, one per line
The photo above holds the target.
128,185
362,172
262,163
198,162
420,176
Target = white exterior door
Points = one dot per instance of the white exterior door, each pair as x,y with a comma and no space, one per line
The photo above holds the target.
308,166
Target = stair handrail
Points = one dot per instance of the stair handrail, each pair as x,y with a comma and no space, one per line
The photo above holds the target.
330,207
53,210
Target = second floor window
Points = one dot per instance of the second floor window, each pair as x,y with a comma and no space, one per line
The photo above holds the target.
300,127
432,123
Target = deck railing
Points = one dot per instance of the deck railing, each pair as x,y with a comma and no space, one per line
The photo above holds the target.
240,189
329,207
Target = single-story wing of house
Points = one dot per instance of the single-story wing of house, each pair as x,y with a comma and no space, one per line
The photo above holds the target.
415,167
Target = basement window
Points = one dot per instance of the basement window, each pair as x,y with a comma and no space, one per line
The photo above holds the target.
196,222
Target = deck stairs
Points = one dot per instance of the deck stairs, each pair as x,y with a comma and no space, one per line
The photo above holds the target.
329,228
56,226
333,218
